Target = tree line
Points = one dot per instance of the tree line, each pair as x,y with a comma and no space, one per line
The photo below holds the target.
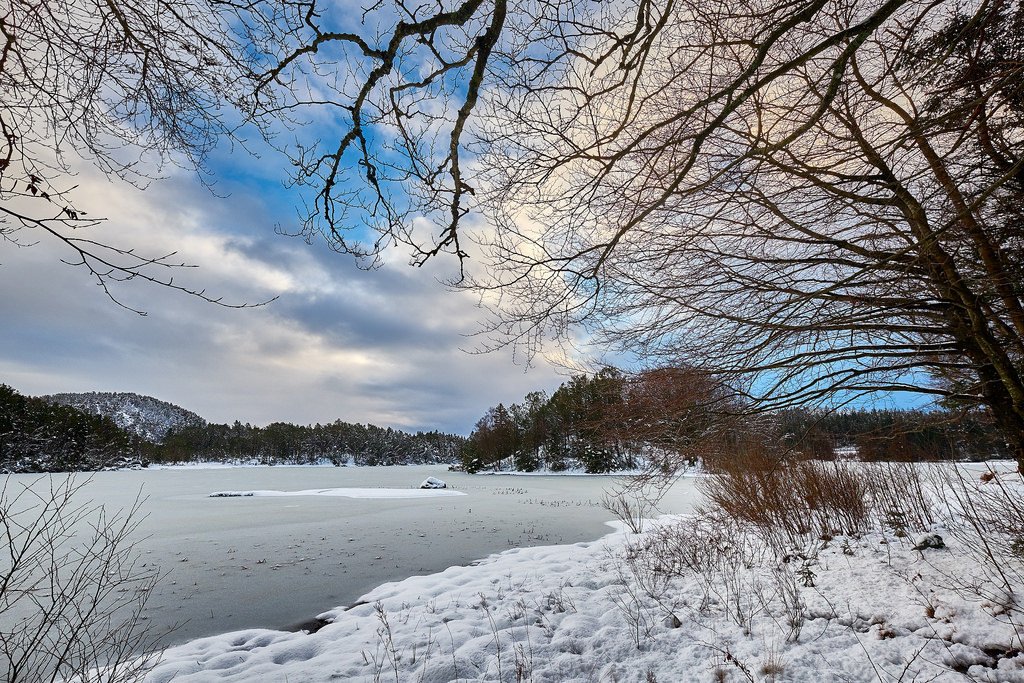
672,417
282,443
37,435
605,422
608,421
889,434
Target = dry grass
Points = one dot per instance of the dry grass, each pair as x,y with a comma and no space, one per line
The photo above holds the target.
791,501
899,496
794,501
773,666
989,522
739,558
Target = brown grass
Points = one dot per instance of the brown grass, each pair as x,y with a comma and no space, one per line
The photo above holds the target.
791,501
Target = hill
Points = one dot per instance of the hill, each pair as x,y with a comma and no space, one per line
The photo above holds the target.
147,417
41,436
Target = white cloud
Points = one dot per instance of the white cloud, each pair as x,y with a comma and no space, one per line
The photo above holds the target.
378,346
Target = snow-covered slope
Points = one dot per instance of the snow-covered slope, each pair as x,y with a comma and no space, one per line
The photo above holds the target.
146,416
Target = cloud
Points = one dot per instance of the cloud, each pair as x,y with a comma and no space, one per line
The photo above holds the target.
339,343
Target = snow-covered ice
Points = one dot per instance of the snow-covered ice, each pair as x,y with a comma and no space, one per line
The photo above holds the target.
363,493
305,554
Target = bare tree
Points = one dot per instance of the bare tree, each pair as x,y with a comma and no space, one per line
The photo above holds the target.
401,87
800,207
676,415
125,86
818,199
72,589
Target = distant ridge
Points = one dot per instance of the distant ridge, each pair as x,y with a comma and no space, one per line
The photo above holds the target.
145,416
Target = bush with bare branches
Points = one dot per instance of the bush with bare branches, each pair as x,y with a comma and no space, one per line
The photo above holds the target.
901,495
987,518
790,501
72,590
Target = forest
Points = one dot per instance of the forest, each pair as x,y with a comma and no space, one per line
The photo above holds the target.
675,417
281,443
40,436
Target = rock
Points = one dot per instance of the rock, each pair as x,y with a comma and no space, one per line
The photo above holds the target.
433,483
672,621
925,541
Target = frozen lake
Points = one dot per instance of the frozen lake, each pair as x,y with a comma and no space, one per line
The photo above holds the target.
278,561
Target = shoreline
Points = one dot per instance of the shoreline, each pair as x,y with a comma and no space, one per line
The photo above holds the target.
578,612
304,554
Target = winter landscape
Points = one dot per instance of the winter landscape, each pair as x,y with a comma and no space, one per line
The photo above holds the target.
687,599
311,553
913,590
478,340
815,570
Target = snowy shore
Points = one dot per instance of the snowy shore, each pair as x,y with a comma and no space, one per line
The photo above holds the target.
850,610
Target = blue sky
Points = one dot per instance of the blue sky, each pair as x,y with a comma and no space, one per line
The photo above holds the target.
381,346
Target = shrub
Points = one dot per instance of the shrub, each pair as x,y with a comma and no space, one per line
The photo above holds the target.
72,591
899,496
790,501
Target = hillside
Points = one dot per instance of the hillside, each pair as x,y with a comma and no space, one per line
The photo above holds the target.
43,436
144,416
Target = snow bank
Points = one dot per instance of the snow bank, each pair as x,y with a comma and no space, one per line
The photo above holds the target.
236,464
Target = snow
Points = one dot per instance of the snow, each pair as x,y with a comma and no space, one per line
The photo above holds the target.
363,493
559,473
864,609
232,465
204,465
253,464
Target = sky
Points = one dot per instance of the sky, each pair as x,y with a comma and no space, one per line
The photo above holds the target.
384,346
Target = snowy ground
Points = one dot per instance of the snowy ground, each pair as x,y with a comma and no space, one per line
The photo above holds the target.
868,609
558,473
238,464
